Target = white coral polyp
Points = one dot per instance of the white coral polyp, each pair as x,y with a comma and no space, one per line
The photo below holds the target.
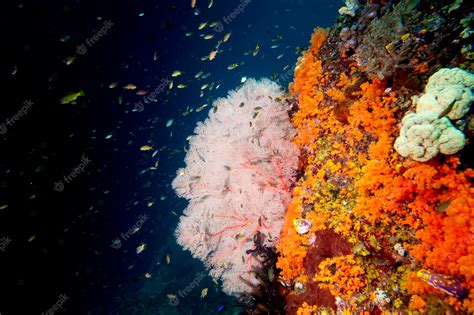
446,87
423,135
448,94
451,141
239,168
447,76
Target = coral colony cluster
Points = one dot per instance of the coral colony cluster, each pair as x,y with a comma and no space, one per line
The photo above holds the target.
239,170
365,189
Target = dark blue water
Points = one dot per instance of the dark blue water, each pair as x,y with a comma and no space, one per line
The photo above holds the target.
61,240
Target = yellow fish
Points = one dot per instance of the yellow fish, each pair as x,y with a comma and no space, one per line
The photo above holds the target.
405,37
71,97
141,248
113,85
148,275
168,259
200,108
213,54
232,66
257,49
69,60
181,86
202,25
271,275
203,293
176,73
209,36
130,86
146,148
171,296
226,37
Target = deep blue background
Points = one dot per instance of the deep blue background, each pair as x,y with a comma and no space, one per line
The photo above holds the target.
74,228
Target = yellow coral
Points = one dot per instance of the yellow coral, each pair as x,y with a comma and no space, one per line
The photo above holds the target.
341,275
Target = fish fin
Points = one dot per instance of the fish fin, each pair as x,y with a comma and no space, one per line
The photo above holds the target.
447,110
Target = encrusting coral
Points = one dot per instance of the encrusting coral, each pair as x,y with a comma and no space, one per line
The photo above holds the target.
341,275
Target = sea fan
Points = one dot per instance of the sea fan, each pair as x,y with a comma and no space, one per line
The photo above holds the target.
239,170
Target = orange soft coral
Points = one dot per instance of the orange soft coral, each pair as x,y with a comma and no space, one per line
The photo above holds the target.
291,251
417,303
357,185
306,309
341,275
307,74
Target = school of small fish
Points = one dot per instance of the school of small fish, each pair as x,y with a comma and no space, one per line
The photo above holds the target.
218,53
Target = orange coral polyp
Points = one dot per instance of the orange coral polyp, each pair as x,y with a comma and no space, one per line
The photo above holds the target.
344,280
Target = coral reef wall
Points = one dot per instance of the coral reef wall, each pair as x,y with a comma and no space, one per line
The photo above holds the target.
240,167
370,229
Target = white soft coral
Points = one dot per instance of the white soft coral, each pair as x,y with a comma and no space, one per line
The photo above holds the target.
423,135
448,94
239,167
445,88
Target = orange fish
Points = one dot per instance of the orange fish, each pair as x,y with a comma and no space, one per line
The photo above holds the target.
141,92
213,55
